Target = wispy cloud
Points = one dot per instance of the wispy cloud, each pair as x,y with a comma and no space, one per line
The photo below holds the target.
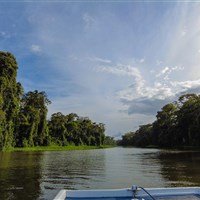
99,60
121,70
185,85
165,72
89,21
36,48
4,34
142,60
158,62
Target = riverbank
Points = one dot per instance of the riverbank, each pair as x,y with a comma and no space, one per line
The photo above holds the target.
59,148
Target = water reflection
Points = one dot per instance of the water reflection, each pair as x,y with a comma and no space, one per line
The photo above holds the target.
181,168
19,176
40,175
127,166
71,170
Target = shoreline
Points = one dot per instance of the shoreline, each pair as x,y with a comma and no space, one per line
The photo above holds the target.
56,148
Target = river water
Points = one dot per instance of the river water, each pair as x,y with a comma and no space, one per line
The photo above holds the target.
40,175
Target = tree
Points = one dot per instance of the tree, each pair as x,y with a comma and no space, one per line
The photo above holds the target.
143,136
110,141
10,93
128,139
189,118
33,130
58,130
164,126
72,129
23,117
177,124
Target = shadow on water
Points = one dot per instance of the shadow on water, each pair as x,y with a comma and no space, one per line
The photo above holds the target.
181,168
40,175
177,168
19,176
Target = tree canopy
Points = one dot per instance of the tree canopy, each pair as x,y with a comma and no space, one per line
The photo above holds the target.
177,124
72,129
10,93
23,116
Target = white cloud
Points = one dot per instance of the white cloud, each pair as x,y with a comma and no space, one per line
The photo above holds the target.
88,20
153,98
109,36
35,48
186,84
139,88
165,72
74,58
147,98
126,71
157,91
142,60
121,70
4,34
97,59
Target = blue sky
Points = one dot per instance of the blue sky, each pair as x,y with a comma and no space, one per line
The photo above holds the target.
117,62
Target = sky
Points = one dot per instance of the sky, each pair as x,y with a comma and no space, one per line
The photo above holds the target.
116,62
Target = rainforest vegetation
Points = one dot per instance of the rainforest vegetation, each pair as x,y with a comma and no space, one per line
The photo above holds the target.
23,116
24,123
177,124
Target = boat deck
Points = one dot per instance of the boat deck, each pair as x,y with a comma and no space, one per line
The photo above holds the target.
189,197
129,194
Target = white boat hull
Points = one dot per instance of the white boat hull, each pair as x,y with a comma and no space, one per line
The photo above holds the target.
192,193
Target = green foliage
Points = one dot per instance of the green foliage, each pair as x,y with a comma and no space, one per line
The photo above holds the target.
72,129
188,117
23,117
177,124
58,148
10,93
110,141
143,136
33,130
164,128
23,120
127,139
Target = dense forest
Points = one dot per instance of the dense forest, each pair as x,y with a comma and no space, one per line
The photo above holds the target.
23,116
24,123
177,124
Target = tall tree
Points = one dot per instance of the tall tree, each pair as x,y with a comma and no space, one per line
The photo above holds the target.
33,129
189,119
128,139
164,126
143,136
10,92
72,129
57,129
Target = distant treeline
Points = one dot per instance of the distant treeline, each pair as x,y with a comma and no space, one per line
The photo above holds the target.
23,117
177,124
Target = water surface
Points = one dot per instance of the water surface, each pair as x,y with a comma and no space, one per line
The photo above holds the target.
40,175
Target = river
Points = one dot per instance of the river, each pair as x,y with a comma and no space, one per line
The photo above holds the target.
40,175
